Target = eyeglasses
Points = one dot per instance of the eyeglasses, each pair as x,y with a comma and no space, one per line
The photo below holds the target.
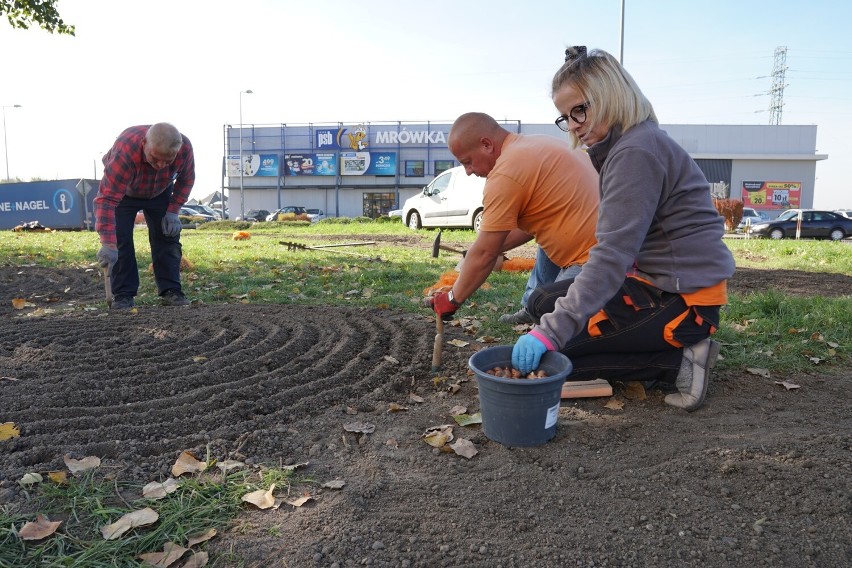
578,113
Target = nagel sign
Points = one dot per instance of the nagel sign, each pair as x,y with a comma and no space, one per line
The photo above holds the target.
55,204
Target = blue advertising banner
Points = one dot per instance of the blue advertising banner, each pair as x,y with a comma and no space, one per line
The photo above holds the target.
55,204
262,165
319,164
368,163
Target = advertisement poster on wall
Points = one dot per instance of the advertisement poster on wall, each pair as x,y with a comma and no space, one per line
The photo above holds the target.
772,194
368,163
319,164
262,165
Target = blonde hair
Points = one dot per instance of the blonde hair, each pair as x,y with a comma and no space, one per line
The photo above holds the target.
612,93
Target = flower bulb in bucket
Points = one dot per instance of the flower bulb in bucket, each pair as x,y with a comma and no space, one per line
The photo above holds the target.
519,412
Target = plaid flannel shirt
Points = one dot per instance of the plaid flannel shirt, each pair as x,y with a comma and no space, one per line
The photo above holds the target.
127,173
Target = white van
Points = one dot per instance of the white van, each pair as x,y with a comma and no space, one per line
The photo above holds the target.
453,199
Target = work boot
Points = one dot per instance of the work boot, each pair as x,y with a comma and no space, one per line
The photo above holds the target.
521,316
694,375
174,297
122,303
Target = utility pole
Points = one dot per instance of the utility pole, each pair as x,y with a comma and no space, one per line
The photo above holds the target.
776,103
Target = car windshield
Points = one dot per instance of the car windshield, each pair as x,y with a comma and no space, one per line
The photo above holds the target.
787,215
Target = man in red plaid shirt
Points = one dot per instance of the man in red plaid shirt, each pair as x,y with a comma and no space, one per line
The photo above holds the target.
149,169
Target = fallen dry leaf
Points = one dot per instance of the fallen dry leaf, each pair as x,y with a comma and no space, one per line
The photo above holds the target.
614,404
458,409
453,388
394,407
415,398
458,343
85,464
139,518
31,478
8,430
228,465
334,484
157,490
360,427
58,477
295,466
788,385
300,501
351,411
198,538
197,560
199,359
758,371
468,419
392,443
390,359
635,390
464,448
187,463
38,529
437,436
171,554
260,498
18,303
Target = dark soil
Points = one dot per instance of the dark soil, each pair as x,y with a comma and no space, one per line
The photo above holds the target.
760,476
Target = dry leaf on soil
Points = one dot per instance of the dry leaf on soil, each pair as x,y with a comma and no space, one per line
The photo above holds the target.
294,466
58,477
464,448
18,303
85,464
38,529
468,419
415,398
197,560
394,407
787,385
758,371
198,538
171,553
458,343
139,518
187,463
614,404
228,465
334,484
260,498
458,409
8,430
437,436
31,478
360,427
157,490
300,501
390,359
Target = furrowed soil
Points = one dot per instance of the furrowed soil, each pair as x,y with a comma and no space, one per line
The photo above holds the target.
759,476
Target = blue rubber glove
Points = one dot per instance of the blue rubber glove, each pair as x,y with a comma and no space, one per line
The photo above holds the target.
527,352
171,225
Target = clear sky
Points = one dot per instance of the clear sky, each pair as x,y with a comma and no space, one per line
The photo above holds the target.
186,61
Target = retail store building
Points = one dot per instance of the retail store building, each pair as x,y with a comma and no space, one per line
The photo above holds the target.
370,168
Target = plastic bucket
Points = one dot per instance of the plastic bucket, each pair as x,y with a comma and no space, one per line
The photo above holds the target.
519,412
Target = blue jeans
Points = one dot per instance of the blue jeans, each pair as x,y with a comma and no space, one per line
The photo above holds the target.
165,251
546,272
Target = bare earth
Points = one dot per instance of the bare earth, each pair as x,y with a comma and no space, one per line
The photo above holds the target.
760,476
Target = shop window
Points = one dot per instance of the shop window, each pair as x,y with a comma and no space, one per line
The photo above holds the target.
415,168
443,165
378,204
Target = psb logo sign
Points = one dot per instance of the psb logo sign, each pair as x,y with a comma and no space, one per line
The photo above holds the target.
63,201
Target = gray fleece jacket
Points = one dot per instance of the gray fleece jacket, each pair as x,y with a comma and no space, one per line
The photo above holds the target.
656,220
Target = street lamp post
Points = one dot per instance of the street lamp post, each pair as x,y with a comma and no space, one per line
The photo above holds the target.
5,143
242,164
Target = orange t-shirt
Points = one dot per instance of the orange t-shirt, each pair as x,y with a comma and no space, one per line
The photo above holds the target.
544,187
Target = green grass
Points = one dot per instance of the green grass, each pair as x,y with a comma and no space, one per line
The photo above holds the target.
92,501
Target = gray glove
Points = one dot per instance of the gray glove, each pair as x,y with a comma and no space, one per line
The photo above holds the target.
107,256
171,225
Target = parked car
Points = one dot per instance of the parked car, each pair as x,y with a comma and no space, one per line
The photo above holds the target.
315,215
453,199
294,209
815,224
395,213
845,213
750,217
206,209
188,212
254,215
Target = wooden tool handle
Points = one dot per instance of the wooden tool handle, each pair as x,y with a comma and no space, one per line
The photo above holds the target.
439,340
107,285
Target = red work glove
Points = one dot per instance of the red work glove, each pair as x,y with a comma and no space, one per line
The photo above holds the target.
442,305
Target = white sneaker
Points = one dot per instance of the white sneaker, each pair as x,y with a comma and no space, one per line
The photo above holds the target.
694,376
521,316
